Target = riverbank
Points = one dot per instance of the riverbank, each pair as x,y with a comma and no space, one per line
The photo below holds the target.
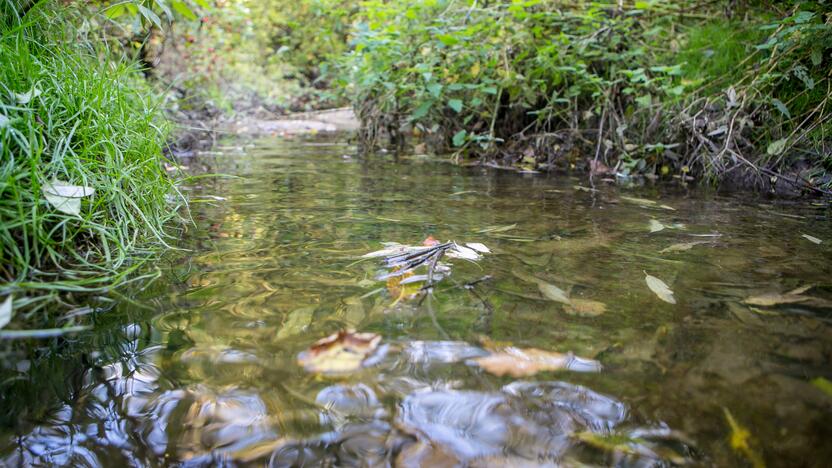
84,194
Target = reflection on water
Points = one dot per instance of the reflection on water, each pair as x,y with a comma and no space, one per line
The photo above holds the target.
201,369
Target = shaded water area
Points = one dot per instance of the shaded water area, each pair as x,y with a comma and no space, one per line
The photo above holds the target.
200,367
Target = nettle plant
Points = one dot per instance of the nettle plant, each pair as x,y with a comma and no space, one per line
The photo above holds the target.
474,74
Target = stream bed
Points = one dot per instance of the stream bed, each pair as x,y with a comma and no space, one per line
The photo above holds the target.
200,367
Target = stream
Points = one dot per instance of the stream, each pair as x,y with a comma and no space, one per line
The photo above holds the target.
200,367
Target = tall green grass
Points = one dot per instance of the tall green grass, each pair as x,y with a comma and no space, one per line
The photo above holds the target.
91,121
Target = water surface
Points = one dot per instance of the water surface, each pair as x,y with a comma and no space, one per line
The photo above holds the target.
200,367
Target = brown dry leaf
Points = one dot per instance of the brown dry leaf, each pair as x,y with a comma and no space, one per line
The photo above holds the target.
585,308
344,351
518,362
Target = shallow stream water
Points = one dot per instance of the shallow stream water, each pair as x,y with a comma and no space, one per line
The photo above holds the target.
200,367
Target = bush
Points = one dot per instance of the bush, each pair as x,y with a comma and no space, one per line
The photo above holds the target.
653,87
69,113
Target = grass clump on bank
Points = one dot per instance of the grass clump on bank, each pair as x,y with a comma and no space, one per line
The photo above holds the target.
71,113
657,87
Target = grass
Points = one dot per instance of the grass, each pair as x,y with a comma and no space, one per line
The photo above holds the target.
92,121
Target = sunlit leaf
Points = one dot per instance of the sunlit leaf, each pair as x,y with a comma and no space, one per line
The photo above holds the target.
6,311
478,247
183,9
345,351
66,197
659,288
518,362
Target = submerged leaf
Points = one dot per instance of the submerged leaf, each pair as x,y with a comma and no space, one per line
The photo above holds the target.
345,351
585,308
656,226
740,440
552,292
824,385
682,247
6,311
660,288
812,239
297,321
518,362
773,299
66,197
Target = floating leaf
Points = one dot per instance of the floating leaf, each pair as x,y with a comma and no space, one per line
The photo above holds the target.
65,197
6,311
552,292
740,441
812,239
478,247
656,226
585,308
460,251
660,288
387,251
345,351
518,362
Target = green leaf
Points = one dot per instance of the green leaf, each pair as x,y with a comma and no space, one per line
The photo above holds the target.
447,39
824,385
435,89
422,110
816,56
183,9
115,11
459,138
150,16
777,147
781,107
455,104
644,101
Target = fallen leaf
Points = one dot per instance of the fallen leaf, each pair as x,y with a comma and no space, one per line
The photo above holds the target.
518,362
65,197
345,351
682,247
824,385
24,98
740,440
585,308
773,299
552,292
638,201
812,239
660,288
656,226
498,228
465,253
297,322
387,251
6,311
478,247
